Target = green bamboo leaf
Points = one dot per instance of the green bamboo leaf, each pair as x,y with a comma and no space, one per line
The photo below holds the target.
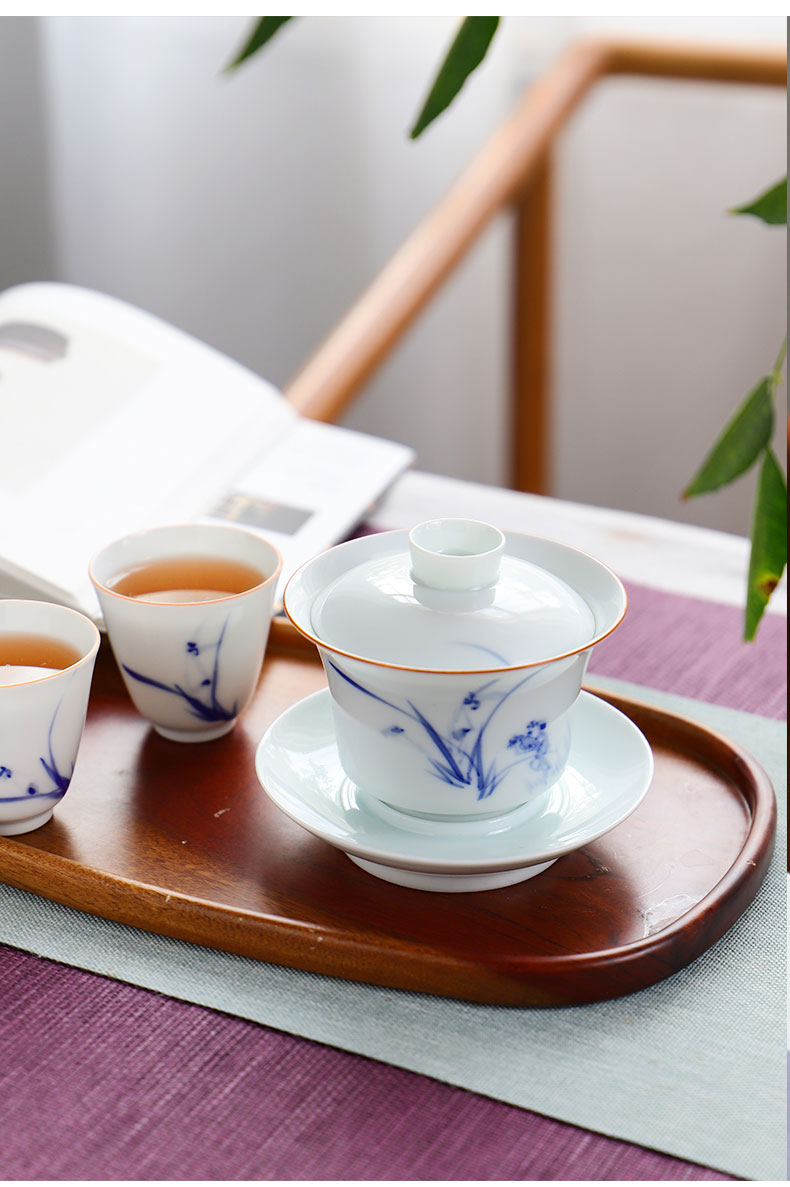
464,55
769,542
265,28
771,206
740,443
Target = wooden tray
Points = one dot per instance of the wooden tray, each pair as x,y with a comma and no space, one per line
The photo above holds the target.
181,840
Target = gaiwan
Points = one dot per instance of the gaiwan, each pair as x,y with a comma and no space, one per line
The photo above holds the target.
454,654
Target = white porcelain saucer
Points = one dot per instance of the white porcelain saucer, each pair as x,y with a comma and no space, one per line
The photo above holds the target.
608,774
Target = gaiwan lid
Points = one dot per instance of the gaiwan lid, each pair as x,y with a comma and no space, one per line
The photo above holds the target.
453,600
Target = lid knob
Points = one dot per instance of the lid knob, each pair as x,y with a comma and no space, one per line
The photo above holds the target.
455,554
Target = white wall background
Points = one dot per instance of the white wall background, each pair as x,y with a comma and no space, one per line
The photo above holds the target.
253,210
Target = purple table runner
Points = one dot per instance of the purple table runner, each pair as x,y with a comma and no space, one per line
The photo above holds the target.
693,648
104,1080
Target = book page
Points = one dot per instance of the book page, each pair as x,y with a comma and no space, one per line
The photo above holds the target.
58,384
111,421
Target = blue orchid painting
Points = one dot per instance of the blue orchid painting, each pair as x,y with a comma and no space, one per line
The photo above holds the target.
459,757
59,781
200,697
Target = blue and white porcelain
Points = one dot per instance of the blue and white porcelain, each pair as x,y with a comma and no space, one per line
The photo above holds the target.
608,772
189,667
454,654
42,714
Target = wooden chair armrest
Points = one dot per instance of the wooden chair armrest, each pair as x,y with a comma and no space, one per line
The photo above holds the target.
499,175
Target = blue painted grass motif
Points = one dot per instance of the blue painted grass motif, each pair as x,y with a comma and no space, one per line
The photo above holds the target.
208,707
458,758
59,780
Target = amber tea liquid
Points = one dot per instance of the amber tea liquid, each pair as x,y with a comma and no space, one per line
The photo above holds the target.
187,579
30,657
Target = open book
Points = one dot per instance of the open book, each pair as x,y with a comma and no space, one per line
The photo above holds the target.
111,420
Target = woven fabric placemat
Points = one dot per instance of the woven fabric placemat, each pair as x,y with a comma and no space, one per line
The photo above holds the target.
694,1066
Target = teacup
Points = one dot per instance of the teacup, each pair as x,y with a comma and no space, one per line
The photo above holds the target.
47,654
187,609
454,655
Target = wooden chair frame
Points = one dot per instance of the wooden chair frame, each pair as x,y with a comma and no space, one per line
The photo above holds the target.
512,170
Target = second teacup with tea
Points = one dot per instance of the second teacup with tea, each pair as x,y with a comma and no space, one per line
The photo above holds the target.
188,609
